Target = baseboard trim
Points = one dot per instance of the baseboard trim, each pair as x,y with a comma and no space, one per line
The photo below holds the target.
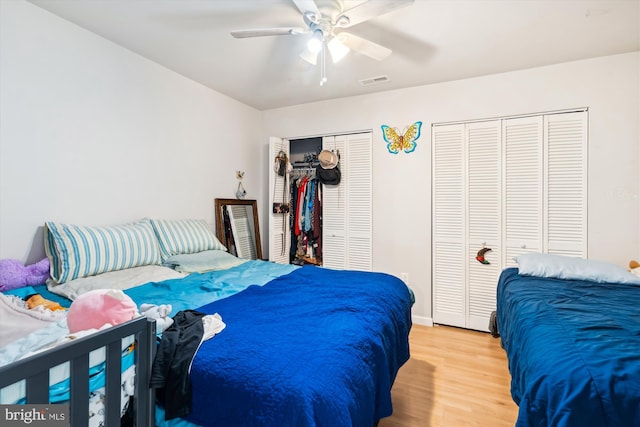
422,320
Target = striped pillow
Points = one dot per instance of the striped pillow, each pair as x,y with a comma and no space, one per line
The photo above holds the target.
187,236
78,251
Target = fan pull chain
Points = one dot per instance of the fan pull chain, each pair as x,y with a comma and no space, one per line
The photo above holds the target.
323,70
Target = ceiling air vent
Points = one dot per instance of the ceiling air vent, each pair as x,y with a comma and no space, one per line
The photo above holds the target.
373,80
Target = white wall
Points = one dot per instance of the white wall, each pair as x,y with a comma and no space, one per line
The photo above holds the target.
609,86
94,134
91,133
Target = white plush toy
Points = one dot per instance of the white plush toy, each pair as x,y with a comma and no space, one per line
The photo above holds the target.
158,312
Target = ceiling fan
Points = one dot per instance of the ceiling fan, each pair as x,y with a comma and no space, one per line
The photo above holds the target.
326,29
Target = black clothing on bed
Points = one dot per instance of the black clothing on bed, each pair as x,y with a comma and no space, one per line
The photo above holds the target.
171,365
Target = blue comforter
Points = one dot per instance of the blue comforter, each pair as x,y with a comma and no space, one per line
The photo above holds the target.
315,347
573,348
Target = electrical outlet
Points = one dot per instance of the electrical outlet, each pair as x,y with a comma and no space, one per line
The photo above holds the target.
405,278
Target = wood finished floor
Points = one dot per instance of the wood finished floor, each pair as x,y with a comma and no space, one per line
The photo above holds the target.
455,378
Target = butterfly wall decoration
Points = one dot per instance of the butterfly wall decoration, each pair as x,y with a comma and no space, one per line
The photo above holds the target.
401,141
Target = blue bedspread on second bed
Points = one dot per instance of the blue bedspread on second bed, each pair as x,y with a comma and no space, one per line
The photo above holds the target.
316,347
573,349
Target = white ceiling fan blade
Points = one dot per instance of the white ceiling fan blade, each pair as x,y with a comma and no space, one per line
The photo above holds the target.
371,9
261,32
364,46
308,8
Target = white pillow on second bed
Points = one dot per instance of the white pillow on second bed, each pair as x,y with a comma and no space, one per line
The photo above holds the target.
570,268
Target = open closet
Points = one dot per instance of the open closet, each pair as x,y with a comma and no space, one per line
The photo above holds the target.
322,224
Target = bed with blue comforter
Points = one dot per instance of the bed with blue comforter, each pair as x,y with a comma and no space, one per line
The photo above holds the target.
573,348
285,345
311,347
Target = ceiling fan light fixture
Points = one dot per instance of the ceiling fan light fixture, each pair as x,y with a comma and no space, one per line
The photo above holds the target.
337,49
320,26
315,42
310,57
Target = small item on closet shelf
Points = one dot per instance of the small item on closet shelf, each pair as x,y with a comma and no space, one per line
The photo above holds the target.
480,256
310,158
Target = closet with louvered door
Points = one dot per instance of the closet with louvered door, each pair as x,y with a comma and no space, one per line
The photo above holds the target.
347,219
523,186
346,207
550,150
565,220
334,213
511,185
448,225
466,219
484,219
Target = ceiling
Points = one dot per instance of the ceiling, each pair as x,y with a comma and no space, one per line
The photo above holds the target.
432,41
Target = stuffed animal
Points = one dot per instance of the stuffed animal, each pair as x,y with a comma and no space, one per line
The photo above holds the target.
94,309
13,274
37,300
634,267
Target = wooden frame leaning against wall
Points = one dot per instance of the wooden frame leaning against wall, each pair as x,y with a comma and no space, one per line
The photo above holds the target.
239,219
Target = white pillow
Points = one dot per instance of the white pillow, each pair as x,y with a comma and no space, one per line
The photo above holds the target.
201,262
565,267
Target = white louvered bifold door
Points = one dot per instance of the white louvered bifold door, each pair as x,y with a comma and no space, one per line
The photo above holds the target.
448,225
334,216
566,187
484,211
522,186
279,235
358,180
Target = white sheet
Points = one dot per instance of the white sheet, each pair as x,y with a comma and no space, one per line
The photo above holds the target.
122,279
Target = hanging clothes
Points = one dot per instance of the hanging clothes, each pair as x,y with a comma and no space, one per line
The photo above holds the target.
317,220
302,185
305,220
309,204
293,197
